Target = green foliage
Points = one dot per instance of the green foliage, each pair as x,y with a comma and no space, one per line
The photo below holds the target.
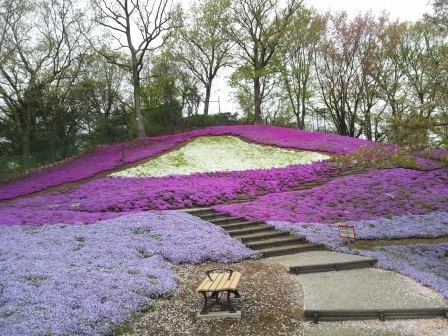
377,156
163,119
124,328
201,120
169,91
226,118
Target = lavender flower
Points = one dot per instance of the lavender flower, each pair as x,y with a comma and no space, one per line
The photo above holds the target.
86,279
431,225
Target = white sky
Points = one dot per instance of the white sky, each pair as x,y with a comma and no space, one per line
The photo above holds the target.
404,10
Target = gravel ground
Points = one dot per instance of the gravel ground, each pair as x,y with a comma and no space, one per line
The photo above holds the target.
272,305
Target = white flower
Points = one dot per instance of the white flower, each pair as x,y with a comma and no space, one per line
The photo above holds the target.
221,153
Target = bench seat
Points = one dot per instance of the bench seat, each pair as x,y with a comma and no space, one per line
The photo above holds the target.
217,282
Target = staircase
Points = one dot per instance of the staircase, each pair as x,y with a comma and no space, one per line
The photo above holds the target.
351,290
256,234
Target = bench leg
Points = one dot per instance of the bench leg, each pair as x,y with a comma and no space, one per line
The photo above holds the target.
205,308
229,303
215,299
237,295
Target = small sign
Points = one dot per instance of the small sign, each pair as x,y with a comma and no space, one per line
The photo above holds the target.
347,232
76,204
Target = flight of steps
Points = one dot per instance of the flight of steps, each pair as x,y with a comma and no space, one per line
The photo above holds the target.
325,299
256,234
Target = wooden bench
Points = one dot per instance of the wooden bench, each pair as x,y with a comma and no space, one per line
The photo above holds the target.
216,283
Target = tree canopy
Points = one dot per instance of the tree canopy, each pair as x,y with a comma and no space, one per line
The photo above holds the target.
76,74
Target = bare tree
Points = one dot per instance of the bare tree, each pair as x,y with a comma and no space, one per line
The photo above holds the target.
136,26
343,71
298,55
41,43
440,15
201,44
258,29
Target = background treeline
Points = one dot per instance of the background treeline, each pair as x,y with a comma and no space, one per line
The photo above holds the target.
77,74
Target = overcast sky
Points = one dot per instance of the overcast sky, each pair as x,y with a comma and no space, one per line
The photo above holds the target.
405,10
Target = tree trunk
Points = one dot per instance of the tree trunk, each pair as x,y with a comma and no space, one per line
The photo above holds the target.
302,113
299,121
369,126
208,90
257,101
26,147
138,105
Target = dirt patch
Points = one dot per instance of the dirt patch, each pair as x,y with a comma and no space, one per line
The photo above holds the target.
272,304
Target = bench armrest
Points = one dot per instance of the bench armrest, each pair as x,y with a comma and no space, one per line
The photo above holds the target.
219,269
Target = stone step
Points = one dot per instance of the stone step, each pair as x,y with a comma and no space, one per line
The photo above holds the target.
309,185
282,241
254,229
227,220
290,249
239,225
328,267
212,215
380,314
241,200
263,236
197,211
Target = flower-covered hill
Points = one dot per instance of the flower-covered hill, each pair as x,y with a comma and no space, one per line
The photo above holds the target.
111,197
110,157
94,279
371,195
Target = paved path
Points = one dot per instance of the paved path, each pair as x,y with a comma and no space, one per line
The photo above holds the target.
337,286
365,289
354,290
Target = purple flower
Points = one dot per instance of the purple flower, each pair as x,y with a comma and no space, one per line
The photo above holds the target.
377,194
85,279
109,157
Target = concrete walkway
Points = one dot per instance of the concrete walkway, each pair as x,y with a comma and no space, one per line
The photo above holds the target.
366,289
315,258
356,290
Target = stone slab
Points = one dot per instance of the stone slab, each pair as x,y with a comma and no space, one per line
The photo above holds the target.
332,329
420,327
315,258
366,289
220,315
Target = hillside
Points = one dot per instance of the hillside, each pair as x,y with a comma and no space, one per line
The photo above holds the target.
54,265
